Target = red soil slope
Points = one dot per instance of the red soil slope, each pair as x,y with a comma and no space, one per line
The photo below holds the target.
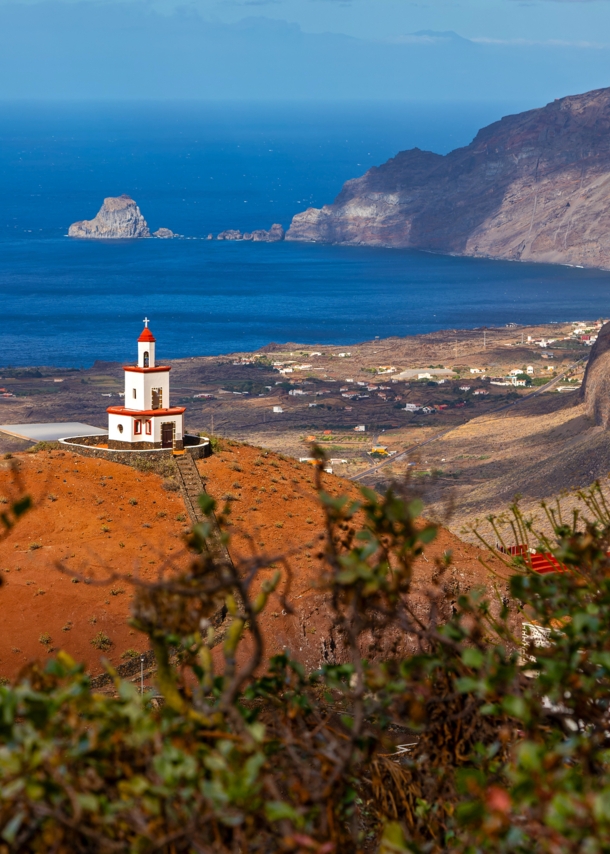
87,496
274,509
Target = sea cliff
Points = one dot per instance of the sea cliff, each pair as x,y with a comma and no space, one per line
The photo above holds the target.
530,187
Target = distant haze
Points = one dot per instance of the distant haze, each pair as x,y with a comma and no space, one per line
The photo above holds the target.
55,50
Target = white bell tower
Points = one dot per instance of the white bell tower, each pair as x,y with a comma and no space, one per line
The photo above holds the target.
146,347
146,421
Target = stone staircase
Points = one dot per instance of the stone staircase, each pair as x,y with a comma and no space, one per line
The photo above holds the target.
191,486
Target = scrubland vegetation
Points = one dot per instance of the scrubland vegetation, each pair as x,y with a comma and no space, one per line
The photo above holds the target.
435,729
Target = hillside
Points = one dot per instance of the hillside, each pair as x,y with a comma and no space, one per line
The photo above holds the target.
530,187
95,518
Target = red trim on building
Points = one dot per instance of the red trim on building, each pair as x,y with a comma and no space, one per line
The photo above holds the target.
146,335
149,413
137,370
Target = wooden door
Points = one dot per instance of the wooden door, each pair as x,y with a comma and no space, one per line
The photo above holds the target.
167,435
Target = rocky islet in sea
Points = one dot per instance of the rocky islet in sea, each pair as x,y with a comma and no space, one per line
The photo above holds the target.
260,235
120,218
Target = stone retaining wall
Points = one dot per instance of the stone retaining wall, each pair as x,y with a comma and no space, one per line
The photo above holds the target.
117,445
86,446
130,668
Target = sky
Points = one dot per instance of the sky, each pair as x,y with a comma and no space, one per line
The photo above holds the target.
522,51
585,22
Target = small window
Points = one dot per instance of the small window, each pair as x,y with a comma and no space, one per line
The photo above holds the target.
146,359
137,427
120,428
135,393
148,428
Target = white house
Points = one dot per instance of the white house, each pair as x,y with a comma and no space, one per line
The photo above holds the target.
146,419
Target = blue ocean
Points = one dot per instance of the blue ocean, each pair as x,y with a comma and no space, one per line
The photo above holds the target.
199,168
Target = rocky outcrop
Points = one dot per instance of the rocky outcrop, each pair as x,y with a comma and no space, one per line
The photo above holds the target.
164,233
595,389
273,235
531,187
119,218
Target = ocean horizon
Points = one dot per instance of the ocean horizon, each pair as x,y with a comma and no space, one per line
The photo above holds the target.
201,168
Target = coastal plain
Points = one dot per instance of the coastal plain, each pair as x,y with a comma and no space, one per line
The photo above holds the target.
322,391
427,406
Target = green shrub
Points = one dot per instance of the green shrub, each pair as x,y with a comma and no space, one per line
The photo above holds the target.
216,444
101,641
507,739
130,654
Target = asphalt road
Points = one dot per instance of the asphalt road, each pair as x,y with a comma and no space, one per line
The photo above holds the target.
376,468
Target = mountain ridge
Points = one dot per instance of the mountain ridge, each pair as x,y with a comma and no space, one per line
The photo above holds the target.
179,54
532,187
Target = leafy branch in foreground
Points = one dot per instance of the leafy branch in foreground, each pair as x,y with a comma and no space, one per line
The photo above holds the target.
508,744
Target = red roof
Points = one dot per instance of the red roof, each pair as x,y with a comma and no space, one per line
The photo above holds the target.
146,335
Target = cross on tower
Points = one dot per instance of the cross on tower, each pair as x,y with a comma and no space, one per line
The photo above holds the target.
146,321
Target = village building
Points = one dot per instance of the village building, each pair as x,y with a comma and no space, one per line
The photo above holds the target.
146,420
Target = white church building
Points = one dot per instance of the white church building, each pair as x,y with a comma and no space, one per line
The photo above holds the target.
146,420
